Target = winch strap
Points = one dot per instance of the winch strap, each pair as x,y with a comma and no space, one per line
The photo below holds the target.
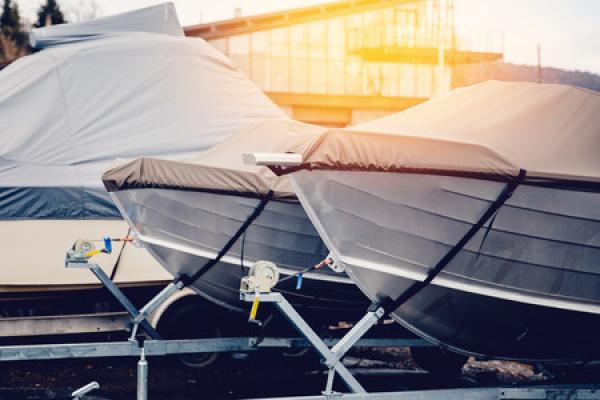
118,261
188,280
390,305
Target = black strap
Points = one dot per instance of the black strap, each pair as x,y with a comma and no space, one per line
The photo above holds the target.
391,305
188,280
118,261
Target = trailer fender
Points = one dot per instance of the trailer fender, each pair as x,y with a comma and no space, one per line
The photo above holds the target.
155,317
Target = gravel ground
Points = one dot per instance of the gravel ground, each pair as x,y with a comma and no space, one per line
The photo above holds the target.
255,376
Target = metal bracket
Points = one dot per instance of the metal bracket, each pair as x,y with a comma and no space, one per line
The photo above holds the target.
138,319
84,390
331,356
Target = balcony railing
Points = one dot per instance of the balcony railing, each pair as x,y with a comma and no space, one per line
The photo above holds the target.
393,42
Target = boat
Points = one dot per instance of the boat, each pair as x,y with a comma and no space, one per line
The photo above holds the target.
117,87
473,218
209,218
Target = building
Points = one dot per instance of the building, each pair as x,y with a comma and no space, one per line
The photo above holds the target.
350,61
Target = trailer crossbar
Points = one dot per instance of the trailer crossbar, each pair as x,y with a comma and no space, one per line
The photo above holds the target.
557,392
167,347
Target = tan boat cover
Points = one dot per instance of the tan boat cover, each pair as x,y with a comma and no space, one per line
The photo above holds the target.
221,169
551,131
491,130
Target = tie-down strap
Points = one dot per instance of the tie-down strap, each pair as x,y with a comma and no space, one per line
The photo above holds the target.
391,305
188,280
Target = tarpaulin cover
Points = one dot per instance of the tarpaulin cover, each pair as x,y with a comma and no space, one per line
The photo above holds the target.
221,168
69,111
156,19
493,130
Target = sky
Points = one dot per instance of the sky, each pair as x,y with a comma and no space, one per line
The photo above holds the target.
568,31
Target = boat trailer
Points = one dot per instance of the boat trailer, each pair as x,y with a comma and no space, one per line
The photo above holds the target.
256,289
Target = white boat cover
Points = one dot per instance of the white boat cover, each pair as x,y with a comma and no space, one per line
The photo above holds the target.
156,19
69,111
490,130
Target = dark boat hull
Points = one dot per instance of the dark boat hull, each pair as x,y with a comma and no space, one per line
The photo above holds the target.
496,328
184,230
524,287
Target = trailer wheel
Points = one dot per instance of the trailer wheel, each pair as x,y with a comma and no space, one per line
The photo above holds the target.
438,361
191,320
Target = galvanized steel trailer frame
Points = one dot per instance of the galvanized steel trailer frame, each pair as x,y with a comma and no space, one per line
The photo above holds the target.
548,392
331,350
332,359
151,345
155,348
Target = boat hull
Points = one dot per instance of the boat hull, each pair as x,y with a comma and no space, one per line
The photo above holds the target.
184,230
524,287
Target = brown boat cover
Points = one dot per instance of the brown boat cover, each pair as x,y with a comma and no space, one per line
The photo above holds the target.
221,169
491,130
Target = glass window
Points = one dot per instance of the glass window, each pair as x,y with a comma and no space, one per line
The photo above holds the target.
405,28
261,43
239,44
279,42
335,77
336,32
373,79
321,56
317,40
354,35
388,15
407,80
318,76
280,72
316,33
299,40
354,76
424,80
354,20
280,35
318,52
390,77
372,17
261,71
299,83
336,53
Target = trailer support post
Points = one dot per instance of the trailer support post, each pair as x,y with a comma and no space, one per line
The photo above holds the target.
142,376
331,360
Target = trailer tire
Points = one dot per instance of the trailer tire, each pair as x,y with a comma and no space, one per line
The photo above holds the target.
188,318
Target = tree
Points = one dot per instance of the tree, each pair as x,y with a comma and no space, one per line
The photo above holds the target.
50,12
10,20
12,38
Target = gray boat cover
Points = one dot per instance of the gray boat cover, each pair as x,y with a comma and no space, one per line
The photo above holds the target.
490,130
156,19
67,112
